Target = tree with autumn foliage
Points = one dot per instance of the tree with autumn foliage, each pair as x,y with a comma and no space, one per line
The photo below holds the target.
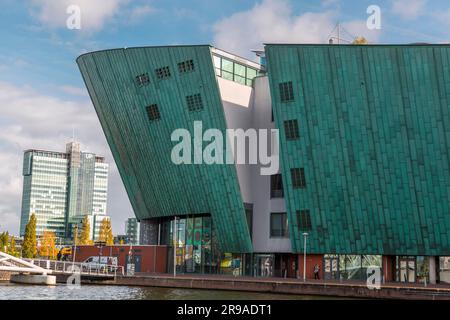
85,236
47,248
29,246
12,250
106,234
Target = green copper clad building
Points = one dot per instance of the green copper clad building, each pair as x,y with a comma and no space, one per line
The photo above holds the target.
364,150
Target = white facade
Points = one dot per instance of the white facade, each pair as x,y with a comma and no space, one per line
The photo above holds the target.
248,107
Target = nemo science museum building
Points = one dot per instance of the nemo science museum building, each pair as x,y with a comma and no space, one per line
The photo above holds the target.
361,134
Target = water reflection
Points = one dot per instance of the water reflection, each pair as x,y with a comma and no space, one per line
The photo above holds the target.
89,292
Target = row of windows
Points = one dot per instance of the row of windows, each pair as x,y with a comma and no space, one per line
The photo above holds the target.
194,103
164,72
279,227
231,70
276,182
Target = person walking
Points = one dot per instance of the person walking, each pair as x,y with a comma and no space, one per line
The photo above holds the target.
316,272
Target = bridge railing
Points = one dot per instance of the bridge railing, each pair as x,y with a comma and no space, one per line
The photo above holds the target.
95,269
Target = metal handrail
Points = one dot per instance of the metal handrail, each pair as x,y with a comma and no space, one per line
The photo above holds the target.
85,268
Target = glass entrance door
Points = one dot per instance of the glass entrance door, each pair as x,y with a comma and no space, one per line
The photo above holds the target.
407,269
331,267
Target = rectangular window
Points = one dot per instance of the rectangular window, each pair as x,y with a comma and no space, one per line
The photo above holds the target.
153,112
218,65
163,73
279,225
194,102
142,79
249,217
304,220
298,178
286,91
186,66
291,129
276,186
227,65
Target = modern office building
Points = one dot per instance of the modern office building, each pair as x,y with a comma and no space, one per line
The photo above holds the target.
132,230
60,188
364,140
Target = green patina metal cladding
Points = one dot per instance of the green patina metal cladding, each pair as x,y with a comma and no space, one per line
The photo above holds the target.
142,149
374,141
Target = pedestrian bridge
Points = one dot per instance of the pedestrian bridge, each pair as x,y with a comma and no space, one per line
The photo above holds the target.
87,270
12,264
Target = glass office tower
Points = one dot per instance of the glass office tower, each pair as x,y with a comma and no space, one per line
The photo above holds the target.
61,188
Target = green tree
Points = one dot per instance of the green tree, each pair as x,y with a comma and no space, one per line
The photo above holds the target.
29,241
12,247
4,241
85,237
106,234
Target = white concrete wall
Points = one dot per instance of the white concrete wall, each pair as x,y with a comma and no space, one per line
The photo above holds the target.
263,205
244,108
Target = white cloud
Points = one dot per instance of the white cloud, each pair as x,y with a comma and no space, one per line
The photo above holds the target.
94,14
140,12
271,21
329,3
408,9
74,91
31,120
274,21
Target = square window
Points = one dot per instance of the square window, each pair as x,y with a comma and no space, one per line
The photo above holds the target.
153,112
291,129
279,225
227,65
286,91
194,102
186,66
298,178
304,220
163,73
142,79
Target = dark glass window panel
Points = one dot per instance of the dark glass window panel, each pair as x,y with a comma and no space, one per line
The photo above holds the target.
194,102
304,220
163,73
298,178
276,186
279,224
286,91
291,129
153,112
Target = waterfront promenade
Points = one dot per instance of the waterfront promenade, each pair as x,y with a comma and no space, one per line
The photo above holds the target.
328,288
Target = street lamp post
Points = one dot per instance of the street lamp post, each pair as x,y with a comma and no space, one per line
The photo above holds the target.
305,235
75,246
175,230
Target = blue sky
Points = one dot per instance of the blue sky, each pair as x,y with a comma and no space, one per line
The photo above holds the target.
42,96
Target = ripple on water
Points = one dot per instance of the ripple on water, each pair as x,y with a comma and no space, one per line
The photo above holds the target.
89,292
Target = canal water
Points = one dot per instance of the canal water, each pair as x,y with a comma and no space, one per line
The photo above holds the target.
10,291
